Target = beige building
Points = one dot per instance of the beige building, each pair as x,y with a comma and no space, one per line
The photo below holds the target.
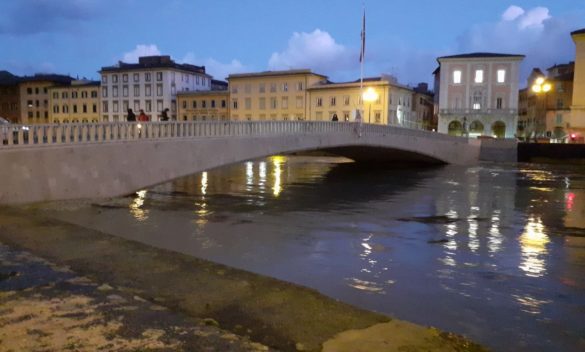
577,122
271,95
203,105
75,103
34,96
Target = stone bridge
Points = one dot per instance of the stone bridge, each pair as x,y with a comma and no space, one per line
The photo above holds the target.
75,161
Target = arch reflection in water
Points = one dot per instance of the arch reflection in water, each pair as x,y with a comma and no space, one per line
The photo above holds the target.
533,244
136,209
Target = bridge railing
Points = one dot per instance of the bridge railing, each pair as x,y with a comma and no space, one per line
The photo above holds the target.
55,134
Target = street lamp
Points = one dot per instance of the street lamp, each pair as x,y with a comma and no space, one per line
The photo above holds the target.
370,95
541,86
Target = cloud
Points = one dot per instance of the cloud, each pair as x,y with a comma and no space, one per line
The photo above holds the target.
140,50
25,17
543,38
217,69
316,50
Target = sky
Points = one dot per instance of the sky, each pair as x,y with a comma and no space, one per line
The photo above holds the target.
403,38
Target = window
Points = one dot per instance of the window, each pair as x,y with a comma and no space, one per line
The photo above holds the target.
299,86
37,90
213,102
559,119
84,94
105,92
285,87
477,97
125,105
148,106
114,91
55,95
197,77
501,76
378,116
284,102
457,77
159,90
248,103
84,108
174,90
235,104
346,100
273,87
499,103
147,76
319,101
104,106
159,105
247,88
94,93
194,104
147,90
115,78
125,91
116,106
299,101
159,76
262,103
478,76
94,108
29,91
203,104
64,95
560,103
105,79
184,104
136,77
261,87
223,103
332,101
235,89
273,103
56,109
125,77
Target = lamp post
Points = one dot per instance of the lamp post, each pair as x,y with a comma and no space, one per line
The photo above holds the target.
542,86
370,95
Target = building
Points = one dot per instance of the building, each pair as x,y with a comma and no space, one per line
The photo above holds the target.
34,96
75,103
218,85
423,107
151,85
271,95
203,105
478,94
9,97
544,114
576,125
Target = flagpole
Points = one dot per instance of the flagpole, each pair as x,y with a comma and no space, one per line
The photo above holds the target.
362,57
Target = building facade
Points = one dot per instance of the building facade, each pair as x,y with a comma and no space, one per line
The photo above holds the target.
151,85
34,96
478,94
210,105
576,127
78,102
9,97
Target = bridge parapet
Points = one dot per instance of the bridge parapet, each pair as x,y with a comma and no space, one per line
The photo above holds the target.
20,136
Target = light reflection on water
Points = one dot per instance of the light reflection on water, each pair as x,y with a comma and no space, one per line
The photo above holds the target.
482,251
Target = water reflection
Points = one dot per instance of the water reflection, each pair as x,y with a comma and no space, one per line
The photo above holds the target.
533,242
136,209
277,162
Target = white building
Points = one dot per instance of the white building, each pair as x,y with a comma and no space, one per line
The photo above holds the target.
478,94
150,85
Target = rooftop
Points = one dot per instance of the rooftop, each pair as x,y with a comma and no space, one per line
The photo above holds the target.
47,77
274,73
160,61
479,55
204,92
7,78
579,31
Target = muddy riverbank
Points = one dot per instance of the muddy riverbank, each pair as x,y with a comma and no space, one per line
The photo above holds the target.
277,314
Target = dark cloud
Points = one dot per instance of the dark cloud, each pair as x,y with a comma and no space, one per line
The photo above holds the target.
25,17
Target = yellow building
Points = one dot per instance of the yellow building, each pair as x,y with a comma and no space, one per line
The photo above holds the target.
34,96
75,103
203,105
577,122
342,99
271,95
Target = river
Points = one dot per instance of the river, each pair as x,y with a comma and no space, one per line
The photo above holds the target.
495,252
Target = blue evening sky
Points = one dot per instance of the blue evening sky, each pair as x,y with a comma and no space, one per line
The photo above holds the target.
77,37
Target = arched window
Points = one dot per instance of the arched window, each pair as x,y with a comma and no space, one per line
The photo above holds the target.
477,100
65,109
455,128
476,127
499,129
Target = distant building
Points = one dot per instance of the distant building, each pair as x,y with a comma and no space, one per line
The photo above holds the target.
478,94
576,125
423,107
151,85
203,106
78,102
9,97
218,85
34,96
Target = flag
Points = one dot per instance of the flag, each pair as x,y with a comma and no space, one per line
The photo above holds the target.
363,49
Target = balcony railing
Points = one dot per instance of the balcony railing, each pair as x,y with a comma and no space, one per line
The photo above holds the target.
15,136
477,111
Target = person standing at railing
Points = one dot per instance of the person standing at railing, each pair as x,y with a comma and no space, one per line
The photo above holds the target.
165,115
143,117
131,116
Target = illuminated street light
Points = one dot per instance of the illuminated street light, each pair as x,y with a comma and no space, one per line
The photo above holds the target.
370,95
540,85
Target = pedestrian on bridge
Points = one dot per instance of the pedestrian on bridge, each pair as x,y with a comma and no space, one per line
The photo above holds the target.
335,118
131,116
143,117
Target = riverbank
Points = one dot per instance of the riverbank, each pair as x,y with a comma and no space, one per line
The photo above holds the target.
281,315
